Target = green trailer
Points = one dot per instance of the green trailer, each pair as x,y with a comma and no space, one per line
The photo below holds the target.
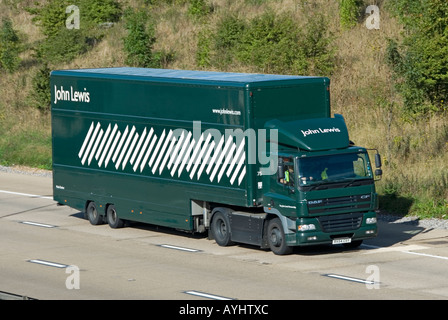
249,158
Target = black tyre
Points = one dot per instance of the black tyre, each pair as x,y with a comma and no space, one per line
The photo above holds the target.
220,228
276,238
112,218
93,215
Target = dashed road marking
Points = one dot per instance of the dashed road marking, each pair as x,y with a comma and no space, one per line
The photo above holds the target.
37,224
48,263
178,248
340,277
206,295
375,249
427,255
26,195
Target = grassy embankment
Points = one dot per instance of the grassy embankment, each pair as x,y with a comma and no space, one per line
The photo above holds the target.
415,152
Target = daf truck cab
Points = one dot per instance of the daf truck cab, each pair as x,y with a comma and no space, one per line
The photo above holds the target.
323,188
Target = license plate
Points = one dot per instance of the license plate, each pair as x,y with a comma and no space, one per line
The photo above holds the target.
342,240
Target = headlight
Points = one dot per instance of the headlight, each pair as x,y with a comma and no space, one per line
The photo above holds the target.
371,220
306,227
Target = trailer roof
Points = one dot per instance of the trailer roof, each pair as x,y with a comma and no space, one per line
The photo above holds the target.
170,75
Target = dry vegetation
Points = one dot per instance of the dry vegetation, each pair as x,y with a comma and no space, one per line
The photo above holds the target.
415,151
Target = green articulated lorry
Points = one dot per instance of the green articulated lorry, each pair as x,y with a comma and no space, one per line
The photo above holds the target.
249,158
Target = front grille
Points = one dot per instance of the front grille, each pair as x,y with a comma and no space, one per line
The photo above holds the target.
341,222
330,205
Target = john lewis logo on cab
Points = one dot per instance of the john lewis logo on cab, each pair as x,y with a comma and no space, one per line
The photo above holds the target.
70,95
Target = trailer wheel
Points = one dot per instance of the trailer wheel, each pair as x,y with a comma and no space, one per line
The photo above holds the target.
221,229
112,218
276,238
93,215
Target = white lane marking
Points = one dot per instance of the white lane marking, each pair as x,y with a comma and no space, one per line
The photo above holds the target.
179,248
426,255
206,295
37,224
336,276
26,195
405,248
48,263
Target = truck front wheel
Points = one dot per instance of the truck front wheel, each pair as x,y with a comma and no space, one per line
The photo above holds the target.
276,238
220,228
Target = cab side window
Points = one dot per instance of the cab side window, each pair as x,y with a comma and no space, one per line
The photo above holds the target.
286,172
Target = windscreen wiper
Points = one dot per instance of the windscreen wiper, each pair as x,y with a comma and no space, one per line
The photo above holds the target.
352,181
317,185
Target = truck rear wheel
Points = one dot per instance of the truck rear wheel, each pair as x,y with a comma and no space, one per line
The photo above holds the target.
276,238
93,215
112,218
220,228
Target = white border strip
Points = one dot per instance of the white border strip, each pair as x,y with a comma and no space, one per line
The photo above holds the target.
206,295
26,195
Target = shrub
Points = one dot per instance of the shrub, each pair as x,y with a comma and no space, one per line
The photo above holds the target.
349,13
230,30
52,16
275,44
203,49
9,47
63,47
420,61
140,40
100,11
198,9
271,44
61,44
317,47
40,95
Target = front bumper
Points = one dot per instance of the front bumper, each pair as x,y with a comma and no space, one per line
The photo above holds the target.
321,236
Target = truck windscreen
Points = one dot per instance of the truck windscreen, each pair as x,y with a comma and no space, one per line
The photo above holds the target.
333,168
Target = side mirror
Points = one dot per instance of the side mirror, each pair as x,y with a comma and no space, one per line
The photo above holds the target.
378,171
378,160
281,172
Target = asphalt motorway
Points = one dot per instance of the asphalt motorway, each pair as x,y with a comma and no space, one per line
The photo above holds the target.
50,252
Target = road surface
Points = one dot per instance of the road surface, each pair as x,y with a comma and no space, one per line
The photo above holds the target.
51,252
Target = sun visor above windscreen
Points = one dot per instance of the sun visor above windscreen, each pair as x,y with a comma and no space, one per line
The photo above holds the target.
311,134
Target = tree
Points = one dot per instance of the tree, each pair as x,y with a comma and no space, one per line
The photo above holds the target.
139,42
420,62
140,39
9,47
62,44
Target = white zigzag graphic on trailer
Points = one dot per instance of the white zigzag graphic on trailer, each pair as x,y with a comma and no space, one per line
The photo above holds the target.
176,154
